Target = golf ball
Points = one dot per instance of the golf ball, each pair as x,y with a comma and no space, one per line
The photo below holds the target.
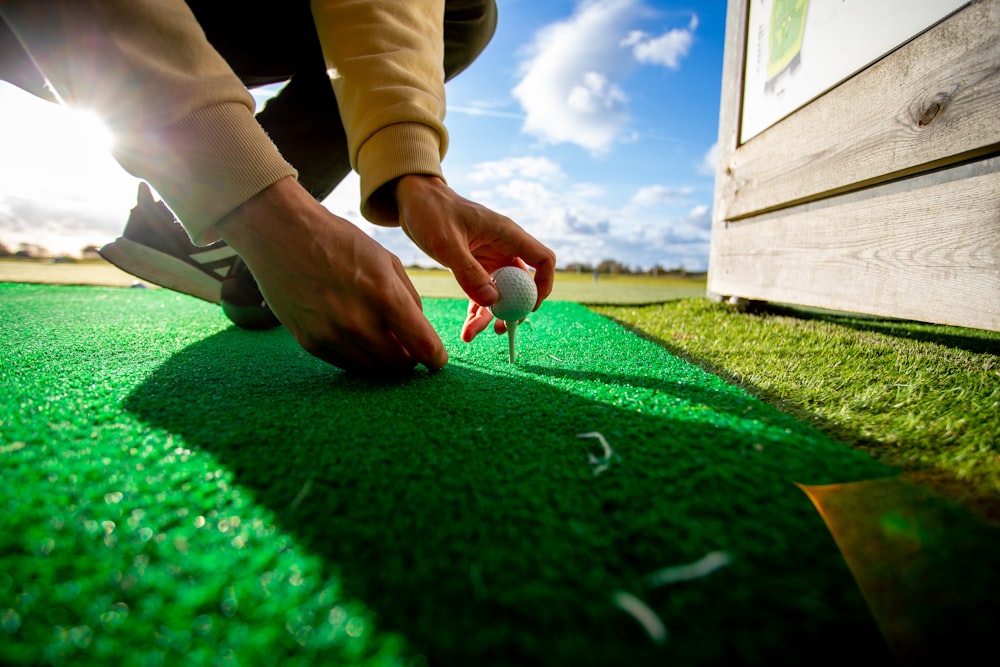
518,293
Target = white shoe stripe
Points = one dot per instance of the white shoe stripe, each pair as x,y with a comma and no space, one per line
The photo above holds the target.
163,269
213,255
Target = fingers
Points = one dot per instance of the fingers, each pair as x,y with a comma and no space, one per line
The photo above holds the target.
544,262
344,297
412,330
471,240
476,321
472,278
387,340
355,359
415,335
377,350
410,288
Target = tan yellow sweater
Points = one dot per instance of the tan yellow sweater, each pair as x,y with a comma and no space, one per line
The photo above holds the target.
184,122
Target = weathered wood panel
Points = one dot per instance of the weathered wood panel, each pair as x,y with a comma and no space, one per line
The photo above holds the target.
731,102
928,253
935,101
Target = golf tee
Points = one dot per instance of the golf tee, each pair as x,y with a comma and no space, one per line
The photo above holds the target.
511,328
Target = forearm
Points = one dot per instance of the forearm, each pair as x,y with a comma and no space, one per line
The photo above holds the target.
181,118
385,60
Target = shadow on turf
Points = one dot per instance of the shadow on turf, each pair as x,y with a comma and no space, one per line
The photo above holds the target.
461,505
976,341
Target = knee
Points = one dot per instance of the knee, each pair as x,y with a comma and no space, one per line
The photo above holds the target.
468,27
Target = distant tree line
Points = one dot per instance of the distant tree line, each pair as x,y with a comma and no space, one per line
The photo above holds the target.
613,267
27,250
609,267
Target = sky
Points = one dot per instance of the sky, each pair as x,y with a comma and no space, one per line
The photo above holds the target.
591,123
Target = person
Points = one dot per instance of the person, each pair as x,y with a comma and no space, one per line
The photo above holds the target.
365,90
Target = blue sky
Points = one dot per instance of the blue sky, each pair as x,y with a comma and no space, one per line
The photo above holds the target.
591,123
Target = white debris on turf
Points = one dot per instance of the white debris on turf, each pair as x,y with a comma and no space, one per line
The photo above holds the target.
648,618
629,603
600,463
642,613
303,492
704,566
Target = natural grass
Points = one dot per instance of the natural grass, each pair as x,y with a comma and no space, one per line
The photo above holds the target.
432,283
580,287
920,397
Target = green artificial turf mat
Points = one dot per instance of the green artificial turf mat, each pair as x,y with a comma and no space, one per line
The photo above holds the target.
179,491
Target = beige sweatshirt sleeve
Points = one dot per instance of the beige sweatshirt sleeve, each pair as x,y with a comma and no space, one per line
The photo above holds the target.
385,61
181,118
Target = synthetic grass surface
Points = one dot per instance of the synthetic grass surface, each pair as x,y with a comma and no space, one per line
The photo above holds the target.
178,491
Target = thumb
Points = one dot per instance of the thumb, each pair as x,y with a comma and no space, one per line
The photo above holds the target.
473,279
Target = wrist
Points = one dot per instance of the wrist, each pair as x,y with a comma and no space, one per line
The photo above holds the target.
417,187
407,184
253,222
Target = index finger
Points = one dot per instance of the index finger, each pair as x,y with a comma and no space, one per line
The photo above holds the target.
411,328
543,260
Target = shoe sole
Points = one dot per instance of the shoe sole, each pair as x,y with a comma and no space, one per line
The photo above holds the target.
161,269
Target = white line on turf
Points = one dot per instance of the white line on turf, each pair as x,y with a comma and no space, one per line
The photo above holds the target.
641,612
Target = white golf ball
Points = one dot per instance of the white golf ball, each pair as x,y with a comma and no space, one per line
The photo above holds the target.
518,293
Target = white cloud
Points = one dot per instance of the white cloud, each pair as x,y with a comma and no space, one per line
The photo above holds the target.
582,222
700,216
540,168
595,94
653,195
526,193
567,90
345,200
668,49
61,224
484,111
572,86
569,224
710,160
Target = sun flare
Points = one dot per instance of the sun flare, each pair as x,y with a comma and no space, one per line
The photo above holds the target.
91,135
56,152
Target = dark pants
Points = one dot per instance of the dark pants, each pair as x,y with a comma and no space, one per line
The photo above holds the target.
267,46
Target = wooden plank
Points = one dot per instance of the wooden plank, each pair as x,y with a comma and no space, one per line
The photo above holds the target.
927,253
730,109
931,103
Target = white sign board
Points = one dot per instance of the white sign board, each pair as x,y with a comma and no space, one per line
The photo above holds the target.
799,49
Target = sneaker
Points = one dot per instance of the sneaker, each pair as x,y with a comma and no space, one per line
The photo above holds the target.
242,301
156,248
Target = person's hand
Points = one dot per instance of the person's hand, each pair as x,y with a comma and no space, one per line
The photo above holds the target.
472,241
344,297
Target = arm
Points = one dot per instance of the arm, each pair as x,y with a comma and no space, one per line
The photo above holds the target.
344,297
183,121
385,61
181,118
387,72
471,240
